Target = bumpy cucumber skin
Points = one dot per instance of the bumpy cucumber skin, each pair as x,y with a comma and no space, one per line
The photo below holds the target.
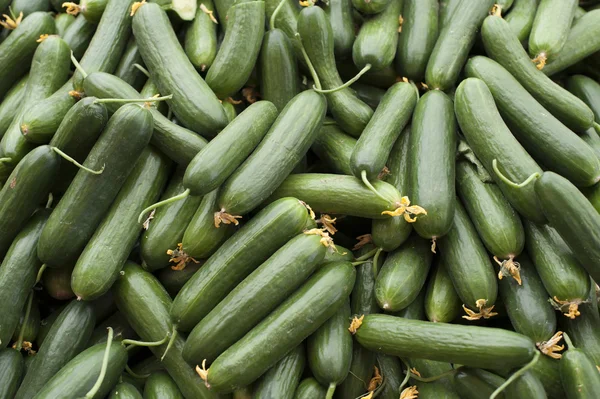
10,104
588,90
551,27
79,35
11,371
579,374
201,38
281,380
370,7
442,304
520,18
310,388
340,18
161,385
334,147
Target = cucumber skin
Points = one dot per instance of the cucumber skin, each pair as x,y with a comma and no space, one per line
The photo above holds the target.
370,7
442,389
236,259
340,17
201,38
281,380
121,329
28,7
588,90
12,368
161,385
174,280
579,375
321,296
79,35
391,367
125,390
551,27
583,330
442,304
310,388
431,151
520,18
10,103
334,147
547,371
126,70
445,342
528,385
30,326
470,385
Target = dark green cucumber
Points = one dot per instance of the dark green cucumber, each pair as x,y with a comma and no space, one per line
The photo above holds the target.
237,258
193,102
16,52
145,304
201,38
174,280
485,347
149,365
12,369
87,199
286,19
417,38
125,390
520,18
363,300
338,254
121,329
160,385
11,102
528,385
223,7
281,380
79,375
377,39
563,277
107,250
28,7
126,69
593,195
226,152
502,45
29,327
403,275
390,118
286,142
583,329
361,371
67,337
334,147
442,389
369,94
92,9
26,187
278,69
149,90
547,371
447,8
454,43
551,26
391,371
370,7
321,296
431,152
317,37
108,43
414,311
309,388
340,18
579,374
442,303
469,383
382,78
588,90
79,35
276,279
467,263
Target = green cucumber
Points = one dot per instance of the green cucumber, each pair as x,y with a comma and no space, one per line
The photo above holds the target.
447,8
286,19
237,258
92,10
193,102
79,35
371,95
520,18
288,325
551,26
588,90
382,78
454,43
286,142
443,389
338,254
583,329
149,365
370,7
579,374
67,337
391,370
11,102
317,38
503,46
57,283
403,275
469,383
174,280
334,147
28,7
309,388
276,279
46,323
160,385
150,90
416,310
281,380
121,329
125,390
417,38
485,347
107,250
340,18
12,369
547,371
377,39
363,300
485,132
431,153
442,303
593,195
528,385
201,37
126,68
28,327
222,7
89,197
505,4
468,264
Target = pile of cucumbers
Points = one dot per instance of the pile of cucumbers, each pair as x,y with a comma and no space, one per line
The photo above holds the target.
321,199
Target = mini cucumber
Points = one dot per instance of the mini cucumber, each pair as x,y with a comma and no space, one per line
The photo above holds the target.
371,95
245,361
121,329
551,26
286,19
583,329
528,385
593,195
342,25
125,390
588,90
414,311
161,385
10,103
67,231
371,7
28,7
447,8
29,327
92,10
520,18
79,35
547,371
201,38
309,388
276,279
126,69
334,147
469,384
454,43
579,374
382,78
442,304
193,102
174,280
403,275
485,347
431,154
281,380
417,38
361,371
12,368
443,388
237,258
391,369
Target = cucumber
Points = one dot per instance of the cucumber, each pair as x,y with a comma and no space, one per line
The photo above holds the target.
286,19
12,368
126,69
11,102
30,326
193,102
469,266
391,370
338,254
442,303
57,283
107,250
382,78
286,142
377,39
237,258
469,385
145,304
528,385
414,311
431,153
503,46
370,7
174,280
310,388
201,37
454,43
222,7
334,147
583,330
28,7
447,8
443,389
159,385
79,35
547,371
276,279
281,380
375,143
67,337
403,275
342,25
593,195
320,296
485,347
149,365
520,18
150,90
371,95
588,90
125,390
485,132
578,374
317,38
417,38
121,329
565,280
551,26
92,10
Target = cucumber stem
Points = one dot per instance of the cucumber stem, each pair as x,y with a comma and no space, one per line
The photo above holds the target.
142,70
134,374
509,182
19,343
272,19
368,255
132,100
596,127
40,273
363,175
347,84
358,263
406,377
516,375
330,391
50,201
435,377
98,383
375,261
311,68
133,342
171,342
5,160
152,207
74,162
78,66
568,341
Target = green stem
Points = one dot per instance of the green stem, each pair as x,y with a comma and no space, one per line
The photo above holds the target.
406,377
133,342
5,160
142,70
412,83
12,13
78,66
375,262
133,100
359,263
368,255
134,374
168,201
98,383
568,341
279,7
509,182
19,343
171,342
435,377
363,175
326,123
50,201
330,391
74,162
348,83
516,375
311,68
40,273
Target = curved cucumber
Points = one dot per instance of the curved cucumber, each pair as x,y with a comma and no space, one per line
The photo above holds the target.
12,368
442,304
161,385
520,18
281,380
551,26
340,17
334,147
579,374
201,38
